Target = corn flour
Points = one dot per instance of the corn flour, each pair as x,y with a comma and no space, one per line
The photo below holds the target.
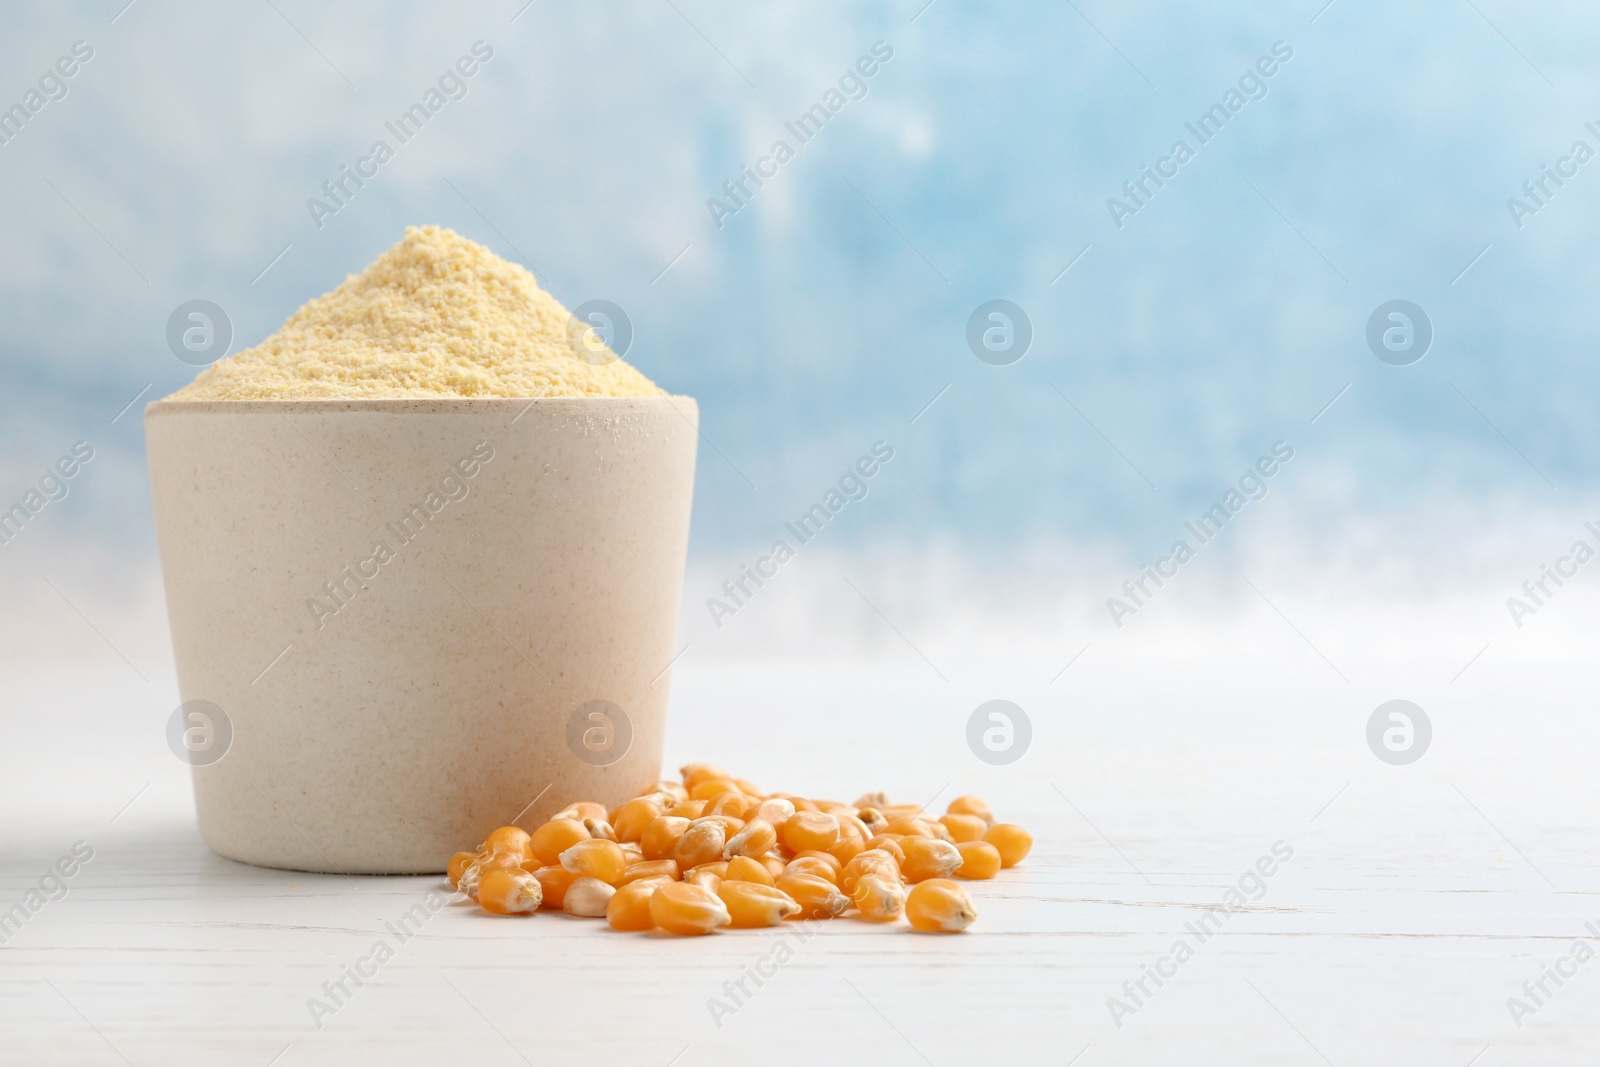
437,315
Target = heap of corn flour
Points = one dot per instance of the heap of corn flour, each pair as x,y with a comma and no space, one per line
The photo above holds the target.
437,315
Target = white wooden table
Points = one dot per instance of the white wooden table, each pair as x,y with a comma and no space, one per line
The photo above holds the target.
1395,934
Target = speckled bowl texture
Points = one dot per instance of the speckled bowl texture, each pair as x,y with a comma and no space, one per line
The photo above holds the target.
422,619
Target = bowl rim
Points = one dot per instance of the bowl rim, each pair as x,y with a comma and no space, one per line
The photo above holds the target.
441,405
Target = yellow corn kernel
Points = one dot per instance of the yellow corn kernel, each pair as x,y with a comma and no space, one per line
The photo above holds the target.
684,908
632,851
800,803
554,880
484,862
583,809
979,859
873,820
687,809
909,826
757,838
459,863
509,891
776,810
707,875
748,787
630,819
900,811
872,800
587,897
661,836
928,857
555,837
810,830
673,789
599,828
604,860
964,827
818,898
695,773
773,863
732,803
971,805
872,861
702,842
507,839
1013,842
889,843
629,907
748,869
879,899
710,787
816,864
851,841
751,904
650,869
939,906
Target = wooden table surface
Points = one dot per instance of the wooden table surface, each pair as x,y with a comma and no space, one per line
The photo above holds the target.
1416,901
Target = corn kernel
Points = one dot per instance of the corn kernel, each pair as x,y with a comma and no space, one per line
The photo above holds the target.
971,805
748,787
818,898
710,787
851,841
810,830
819,864
702,842
879,899
732,803
507,839
748,869
695,773
554,881
587,897
673,789
773,863
458,863
604,860
964,827
509,891
900,811
687,809
683,908
583,809
979,859
661,836
632,851
872,861
909,826
889,843
1013,842
873,820
600,829
706,876
751,904
630,819
928,857
667,869
939,906
872,800
756,839
629,907
776,810
555,837
482,864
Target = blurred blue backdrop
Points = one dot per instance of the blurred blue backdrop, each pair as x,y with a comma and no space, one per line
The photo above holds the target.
1168,352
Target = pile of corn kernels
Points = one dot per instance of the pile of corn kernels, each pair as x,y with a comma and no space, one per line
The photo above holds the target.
713,850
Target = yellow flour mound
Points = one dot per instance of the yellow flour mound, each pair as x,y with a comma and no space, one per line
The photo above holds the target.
437,315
